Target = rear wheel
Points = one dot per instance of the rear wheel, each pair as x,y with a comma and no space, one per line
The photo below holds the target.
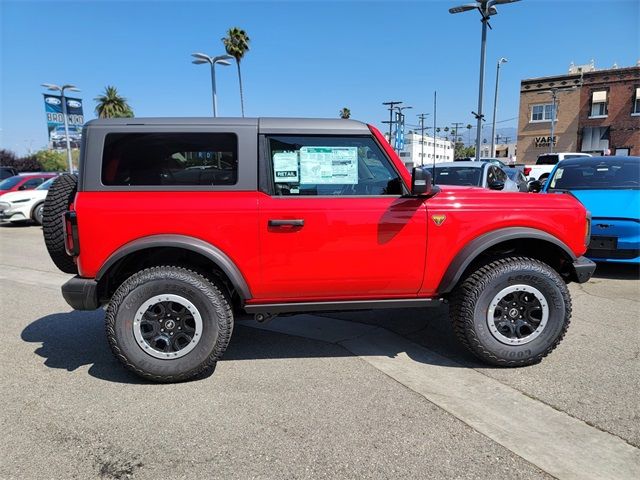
60,196
511,312
169,324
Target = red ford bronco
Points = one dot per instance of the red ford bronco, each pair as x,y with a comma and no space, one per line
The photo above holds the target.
175,224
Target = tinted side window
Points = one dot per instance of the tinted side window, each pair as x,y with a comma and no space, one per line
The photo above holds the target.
170,159
31,183
547,160
331,166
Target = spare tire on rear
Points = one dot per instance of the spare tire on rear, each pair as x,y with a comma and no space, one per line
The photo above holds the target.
60,196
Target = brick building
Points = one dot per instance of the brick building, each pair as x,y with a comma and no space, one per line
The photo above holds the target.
609,117
597,111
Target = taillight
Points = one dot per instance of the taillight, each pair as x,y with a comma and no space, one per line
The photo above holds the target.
71,241
527,171
587,229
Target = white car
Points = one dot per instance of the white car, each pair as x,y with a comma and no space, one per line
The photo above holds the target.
546,162
24,205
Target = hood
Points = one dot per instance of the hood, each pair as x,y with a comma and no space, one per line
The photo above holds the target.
27,194
610,203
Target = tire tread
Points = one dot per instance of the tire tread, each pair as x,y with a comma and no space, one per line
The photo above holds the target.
466,294
217,298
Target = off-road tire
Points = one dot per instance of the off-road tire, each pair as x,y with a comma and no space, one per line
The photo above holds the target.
213,306
469,304
61,194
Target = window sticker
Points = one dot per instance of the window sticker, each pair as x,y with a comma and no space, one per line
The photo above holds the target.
285,167
329,165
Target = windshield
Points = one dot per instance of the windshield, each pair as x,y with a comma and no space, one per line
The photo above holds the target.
10,182
46,185
458,176
620,174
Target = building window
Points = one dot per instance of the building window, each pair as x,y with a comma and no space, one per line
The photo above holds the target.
542,113
636,102
599,103
404,154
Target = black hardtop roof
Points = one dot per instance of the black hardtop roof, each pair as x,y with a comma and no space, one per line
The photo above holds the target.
264,124
598,160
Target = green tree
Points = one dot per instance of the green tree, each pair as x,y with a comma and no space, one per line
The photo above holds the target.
345,113
112,105
23,164
56,160
236,43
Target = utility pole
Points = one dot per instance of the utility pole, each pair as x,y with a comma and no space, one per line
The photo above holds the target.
422,116
495,108
554,113
392,106
456,126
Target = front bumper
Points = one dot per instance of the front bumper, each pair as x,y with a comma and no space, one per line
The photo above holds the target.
81,293
583,268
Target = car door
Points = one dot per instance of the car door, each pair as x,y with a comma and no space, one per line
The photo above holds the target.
334,223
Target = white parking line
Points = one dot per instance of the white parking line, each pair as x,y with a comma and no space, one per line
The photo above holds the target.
559,444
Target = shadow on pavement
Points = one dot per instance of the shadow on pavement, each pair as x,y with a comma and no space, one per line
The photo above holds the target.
617,271
26,223
76,339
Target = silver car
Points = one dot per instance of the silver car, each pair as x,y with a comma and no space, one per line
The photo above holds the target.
475,174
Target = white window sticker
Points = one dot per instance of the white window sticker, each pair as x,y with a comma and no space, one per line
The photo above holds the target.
329,165
285,167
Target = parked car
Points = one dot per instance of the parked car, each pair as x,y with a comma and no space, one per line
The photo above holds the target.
473,174
609,187
545,163
298,215
24,205
6,172
24,182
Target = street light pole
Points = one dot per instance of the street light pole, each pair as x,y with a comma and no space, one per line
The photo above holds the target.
495,108
61,89
201,58
487,8
483,47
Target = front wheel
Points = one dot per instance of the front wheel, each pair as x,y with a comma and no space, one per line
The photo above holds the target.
169,324
511,312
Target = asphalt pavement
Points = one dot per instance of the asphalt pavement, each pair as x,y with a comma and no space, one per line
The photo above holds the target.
284,406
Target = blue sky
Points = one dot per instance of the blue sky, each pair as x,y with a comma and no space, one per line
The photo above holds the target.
306,59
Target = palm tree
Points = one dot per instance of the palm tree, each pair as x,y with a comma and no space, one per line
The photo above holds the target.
112,105
236,43
345,113
469,127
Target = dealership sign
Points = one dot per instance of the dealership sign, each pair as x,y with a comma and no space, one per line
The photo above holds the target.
541,142
55,121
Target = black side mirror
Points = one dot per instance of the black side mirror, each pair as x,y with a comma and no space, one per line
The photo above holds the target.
534,186
496,185
420,182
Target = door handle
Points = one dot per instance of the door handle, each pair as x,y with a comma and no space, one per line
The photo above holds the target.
286,223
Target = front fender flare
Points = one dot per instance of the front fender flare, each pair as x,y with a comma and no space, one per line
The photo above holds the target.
478,245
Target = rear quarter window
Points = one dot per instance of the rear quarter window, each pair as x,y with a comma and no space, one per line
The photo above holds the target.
166,159
547,160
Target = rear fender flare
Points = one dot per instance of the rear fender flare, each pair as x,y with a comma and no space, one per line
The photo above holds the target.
205,249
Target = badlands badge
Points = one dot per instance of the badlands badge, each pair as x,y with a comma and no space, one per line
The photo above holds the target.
438,219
